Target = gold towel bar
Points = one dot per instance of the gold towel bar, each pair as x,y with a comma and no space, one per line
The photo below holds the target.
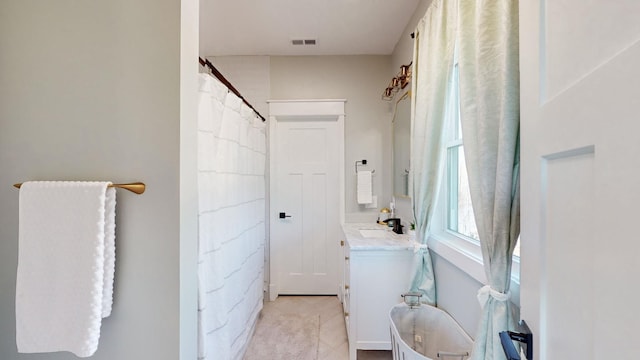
136,187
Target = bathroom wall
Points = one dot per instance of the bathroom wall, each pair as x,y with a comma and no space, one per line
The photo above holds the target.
189,196
250,75
360,80
456,288
93,90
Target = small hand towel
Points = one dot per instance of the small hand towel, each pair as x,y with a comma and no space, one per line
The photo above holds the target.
66,260
364,187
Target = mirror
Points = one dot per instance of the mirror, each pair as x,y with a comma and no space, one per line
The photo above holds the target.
401,145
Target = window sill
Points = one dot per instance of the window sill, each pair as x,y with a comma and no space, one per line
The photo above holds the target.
467,257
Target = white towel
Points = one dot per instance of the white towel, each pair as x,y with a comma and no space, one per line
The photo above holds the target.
109,250
66,261
364,191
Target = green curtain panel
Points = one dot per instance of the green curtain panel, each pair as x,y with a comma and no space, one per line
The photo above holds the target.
433,64
490,115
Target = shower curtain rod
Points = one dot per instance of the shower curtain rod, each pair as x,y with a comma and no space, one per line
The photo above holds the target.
206,63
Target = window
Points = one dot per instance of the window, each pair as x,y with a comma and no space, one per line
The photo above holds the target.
459,212
455,235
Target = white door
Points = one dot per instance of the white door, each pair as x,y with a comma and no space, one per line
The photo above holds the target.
307,196
580,133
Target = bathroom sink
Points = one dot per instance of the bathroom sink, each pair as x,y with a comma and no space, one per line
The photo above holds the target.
374,233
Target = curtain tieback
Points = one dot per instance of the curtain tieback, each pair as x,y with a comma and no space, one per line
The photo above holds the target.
486,291
420,248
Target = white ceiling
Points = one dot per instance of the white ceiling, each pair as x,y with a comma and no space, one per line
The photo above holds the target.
266,27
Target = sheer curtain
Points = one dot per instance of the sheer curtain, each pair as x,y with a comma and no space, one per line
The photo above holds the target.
433,59
489,95
231,180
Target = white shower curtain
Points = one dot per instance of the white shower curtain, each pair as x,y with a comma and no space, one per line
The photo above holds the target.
231,181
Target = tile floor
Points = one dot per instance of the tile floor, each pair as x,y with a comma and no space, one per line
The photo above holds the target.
333,343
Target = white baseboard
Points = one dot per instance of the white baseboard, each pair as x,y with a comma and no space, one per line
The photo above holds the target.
273,292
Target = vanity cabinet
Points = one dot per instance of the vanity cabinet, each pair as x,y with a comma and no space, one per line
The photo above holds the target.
377,271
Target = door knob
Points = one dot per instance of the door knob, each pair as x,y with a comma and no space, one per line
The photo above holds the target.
284,215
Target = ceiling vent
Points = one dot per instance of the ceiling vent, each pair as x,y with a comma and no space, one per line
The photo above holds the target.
303,42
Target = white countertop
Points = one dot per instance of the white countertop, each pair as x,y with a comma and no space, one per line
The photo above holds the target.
385,241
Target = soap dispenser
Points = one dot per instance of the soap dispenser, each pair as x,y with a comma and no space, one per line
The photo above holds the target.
383,216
